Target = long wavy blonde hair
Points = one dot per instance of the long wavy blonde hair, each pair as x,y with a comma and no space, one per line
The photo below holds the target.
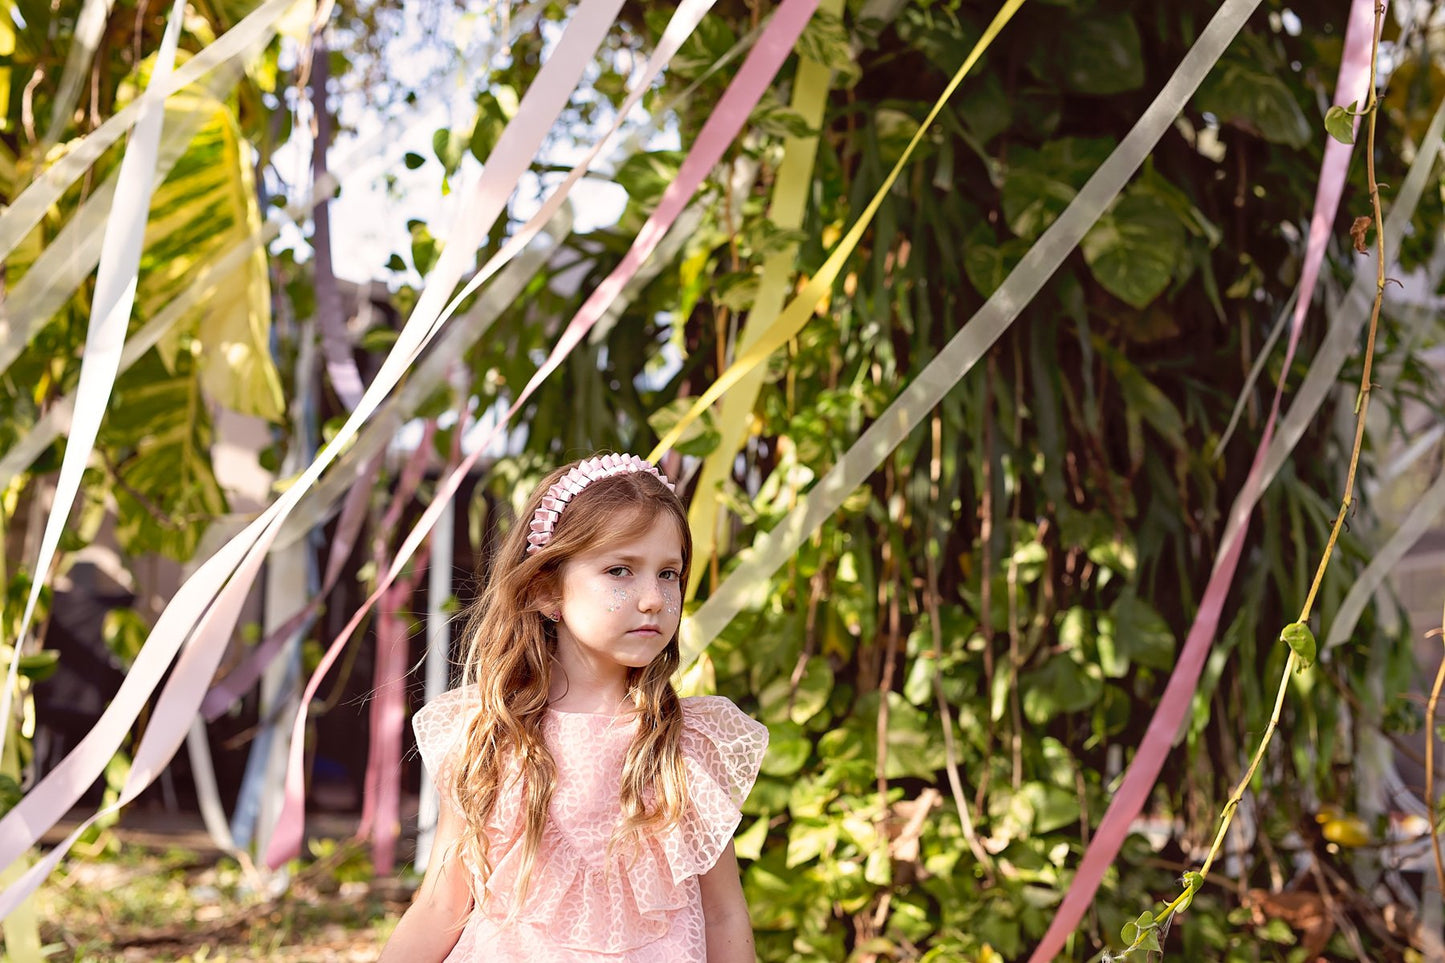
508,667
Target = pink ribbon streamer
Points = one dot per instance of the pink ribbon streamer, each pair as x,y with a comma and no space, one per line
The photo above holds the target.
1144,770
722,127
381,819
381,801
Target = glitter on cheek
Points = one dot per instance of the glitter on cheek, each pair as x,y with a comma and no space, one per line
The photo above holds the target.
671,600
619,598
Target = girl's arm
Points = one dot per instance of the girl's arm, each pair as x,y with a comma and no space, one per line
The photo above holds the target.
725,910
431,925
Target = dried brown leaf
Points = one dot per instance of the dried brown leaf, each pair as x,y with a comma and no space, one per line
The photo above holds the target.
1358,230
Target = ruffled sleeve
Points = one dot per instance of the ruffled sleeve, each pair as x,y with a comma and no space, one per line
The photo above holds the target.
722,750
439,726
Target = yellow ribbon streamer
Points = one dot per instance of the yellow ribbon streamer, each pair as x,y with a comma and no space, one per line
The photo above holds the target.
789,204
796,314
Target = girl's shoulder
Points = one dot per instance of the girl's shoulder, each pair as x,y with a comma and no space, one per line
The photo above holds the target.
717,721
439,725
724,742
722,750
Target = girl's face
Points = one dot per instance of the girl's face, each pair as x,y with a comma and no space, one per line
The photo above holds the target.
621,604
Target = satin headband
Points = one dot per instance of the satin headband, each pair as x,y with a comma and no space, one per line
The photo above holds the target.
544,519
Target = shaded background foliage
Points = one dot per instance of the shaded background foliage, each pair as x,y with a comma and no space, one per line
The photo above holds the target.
1058,513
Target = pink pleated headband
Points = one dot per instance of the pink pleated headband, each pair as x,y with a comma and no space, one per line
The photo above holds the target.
544,519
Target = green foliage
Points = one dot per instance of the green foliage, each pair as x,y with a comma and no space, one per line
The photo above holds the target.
166,490
10,793
1066,496
1135,247
1098,53
1248,89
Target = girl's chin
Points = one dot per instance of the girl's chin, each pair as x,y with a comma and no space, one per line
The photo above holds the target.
641,651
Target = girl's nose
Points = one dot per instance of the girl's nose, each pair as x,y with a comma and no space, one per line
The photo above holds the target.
649,597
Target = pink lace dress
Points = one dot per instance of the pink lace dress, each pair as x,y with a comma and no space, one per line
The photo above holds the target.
586,905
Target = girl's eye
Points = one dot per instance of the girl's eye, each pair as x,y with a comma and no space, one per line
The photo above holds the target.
672,575
619,571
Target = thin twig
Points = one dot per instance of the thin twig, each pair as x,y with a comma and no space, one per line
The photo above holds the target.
950,751
1431,803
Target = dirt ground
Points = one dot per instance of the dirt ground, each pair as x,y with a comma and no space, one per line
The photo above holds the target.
157,889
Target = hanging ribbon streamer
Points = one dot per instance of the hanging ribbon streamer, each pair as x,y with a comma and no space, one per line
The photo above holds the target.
1421,519
289,580
115,285
722,127
243,555
789,204
223,694
84,42
380,812
1178,697
797,313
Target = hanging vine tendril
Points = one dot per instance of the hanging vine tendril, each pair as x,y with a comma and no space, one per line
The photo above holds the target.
1144,935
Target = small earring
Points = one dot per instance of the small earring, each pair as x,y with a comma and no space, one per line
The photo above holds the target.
555,616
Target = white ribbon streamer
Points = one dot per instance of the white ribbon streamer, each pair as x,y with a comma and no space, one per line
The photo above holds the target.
89,28
1417,523
109,317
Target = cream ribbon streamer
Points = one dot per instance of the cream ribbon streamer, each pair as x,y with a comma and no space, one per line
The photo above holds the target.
789,204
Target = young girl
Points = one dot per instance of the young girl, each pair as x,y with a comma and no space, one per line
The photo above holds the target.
588,812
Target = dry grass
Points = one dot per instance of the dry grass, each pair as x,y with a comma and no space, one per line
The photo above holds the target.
140,903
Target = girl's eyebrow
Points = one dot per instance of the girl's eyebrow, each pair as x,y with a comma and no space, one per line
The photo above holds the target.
673,562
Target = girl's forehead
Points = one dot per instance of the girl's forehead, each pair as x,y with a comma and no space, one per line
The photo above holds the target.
650,535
